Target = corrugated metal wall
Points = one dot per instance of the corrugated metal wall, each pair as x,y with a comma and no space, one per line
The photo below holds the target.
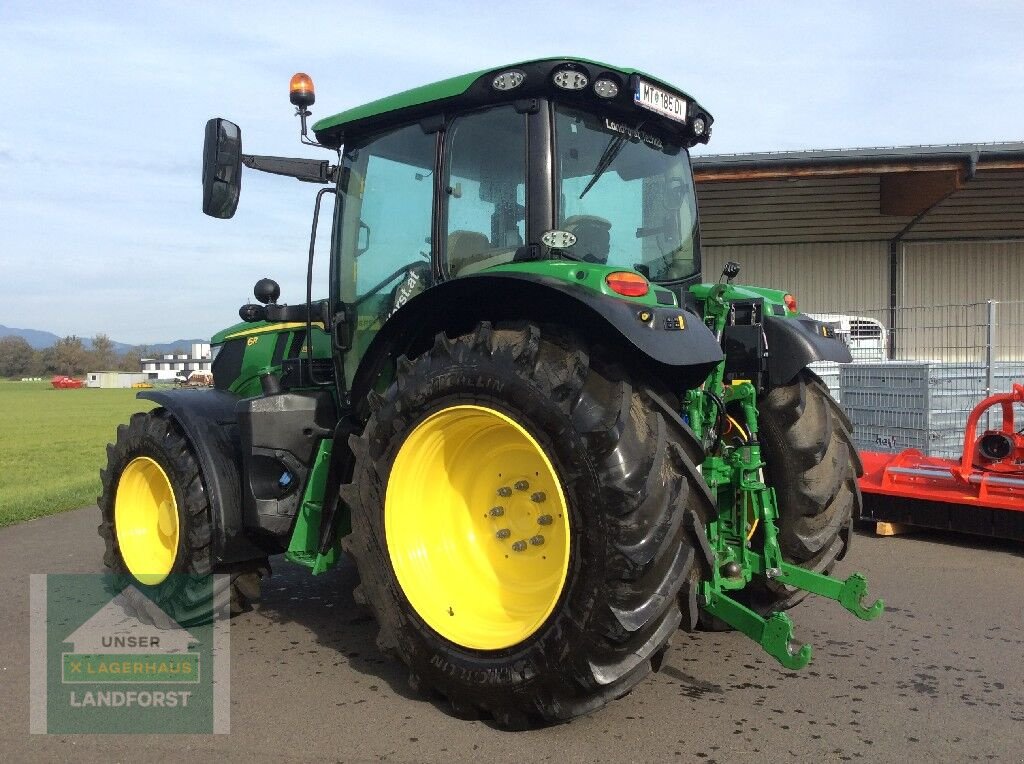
952,273
943,313
949,273
838,277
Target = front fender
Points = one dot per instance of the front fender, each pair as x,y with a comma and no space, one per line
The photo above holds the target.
795,342
209,421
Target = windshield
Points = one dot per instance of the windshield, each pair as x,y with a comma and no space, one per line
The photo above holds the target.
626,194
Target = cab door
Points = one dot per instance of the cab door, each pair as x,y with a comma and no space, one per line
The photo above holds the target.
384,247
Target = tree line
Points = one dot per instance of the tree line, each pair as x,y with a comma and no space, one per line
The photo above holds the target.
68,356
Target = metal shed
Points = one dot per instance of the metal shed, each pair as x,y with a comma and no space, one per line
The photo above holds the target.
114,379
852,229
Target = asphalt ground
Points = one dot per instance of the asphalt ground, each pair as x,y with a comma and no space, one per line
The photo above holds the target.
937,678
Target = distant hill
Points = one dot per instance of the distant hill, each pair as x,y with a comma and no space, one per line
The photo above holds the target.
157,348
40,339
36,338
167,347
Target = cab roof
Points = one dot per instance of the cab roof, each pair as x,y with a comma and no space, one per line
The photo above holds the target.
475,89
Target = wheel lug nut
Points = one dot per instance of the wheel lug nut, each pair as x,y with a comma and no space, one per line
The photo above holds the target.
504,533
504,491
519,546
538,497
544,520
537,540
496,511
522,485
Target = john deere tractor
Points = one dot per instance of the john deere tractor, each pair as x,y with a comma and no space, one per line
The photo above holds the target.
545,444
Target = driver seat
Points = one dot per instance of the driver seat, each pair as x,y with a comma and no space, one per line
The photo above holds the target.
593,237
465,247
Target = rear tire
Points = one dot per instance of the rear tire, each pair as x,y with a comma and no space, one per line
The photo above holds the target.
154,443
627,472
813,466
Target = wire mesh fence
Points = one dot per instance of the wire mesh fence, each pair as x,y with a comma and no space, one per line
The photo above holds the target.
918,371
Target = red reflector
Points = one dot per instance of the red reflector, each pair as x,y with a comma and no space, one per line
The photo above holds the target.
627,283
790,301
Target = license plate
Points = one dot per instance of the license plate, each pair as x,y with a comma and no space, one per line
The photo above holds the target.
659,101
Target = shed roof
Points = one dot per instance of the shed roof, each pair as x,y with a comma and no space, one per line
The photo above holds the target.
1004,155
871,153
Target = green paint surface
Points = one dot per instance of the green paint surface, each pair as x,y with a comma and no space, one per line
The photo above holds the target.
260,338
589,276
743,292
302,549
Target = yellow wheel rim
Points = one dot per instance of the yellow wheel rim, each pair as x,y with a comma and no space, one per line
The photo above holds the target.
146,520
477,527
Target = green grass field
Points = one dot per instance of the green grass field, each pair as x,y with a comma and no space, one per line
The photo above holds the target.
52,445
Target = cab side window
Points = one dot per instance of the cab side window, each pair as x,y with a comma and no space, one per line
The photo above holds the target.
485,189
385,247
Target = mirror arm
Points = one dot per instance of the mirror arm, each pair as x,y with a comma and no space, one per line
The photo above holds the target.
309,170
275,313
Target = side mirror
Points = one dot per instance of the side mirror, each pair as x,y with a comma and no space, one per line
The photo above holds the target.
222,168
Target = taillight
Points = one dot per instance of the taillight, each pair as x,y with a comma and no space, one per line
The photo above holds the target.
627,283
790,301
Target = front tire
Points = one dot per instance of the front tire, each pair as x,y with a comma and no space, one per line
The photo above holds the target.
812,464
496,622
156,523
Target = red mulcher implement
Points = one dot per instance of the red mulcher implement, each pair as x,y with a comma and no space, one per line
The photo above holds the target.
982,493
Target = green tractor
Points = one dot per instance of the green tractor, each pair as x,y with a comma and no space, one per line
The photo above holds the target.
545,444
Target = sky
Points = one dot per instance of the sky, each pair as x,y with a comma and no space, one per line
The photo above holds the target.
104,104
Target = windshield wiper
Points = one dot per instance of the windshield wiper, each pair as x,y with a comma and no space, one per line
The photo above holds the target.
610,152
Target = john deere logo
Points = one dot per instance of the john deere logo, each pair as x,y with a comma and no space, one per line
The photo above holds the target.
119,663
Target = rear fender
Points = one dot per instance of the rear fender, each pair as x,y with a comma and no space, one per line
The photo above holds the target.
211,426
667,342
